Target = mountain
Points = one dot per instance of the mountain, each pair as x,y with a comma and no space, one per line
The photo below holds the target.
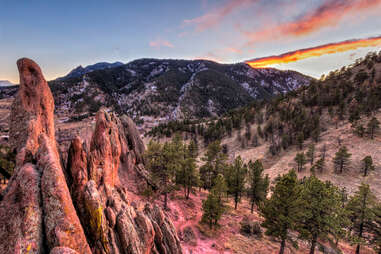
6,83
173,89
80,71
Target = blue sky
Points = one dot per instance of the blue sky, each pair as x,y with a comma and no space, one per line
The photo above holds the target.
60,35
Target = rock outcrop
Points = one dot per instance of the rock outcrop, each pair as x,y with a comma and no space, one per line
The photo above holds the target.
83,207
113,224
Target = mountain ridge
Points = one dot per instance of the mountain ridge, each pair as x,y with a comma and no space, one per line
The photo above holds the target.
174,89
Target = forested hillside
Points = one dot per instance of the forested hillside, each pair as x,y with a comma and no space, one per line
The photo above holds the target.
307,163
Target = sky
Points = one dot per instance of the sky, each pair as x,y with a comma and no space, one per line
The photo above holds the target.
60,35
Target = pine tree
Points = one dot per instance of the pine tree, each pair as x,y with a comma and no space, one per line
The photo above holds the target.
193,148
280,210
190,176
258,184
361,214
311,153
376,229
255,142
319,165
373,125
300,159
367,165
157,157
359,130
341,159
300,140
213,207
236,178
215,161
319,214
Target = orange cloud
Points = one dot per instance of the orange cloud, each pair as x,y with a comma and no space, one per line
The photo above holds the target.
301,54
160,43
214,17
329,14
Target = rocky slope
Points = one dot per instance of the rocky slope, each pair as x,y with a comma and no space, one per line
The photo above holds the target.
171,89
80,206
80,71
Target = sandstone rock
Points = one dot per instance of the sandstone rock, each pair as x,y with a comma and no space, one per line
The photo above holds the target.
105,151
135,143
166,238
62,226
32,111
63,250
37,214
21,214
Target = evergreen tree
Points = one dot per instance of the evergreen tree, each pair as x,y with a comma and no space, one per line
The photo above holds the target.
280,210
300,159
361,214
376,229
311,153
190,176
373,125
359,130
156,157
193,148
319,214
213,206
341,159
319,165
300,140
367,165
258,184
236,178
255,142
215,161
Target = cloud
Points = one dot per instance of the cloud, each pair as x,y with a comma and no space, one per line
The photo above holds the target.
328,14
301,54
160,43
215,17
233,50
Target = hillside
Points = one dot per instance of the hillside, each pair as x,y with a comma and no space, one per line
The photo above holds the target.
159,90
331,113
327,114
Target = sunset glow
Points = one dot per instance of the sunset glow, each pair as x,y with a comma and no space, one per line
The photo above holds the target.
301,54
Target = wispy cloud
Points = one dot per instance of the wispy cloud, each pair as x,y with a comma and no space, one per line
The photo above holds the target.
216,16
330,13
160,43
325,49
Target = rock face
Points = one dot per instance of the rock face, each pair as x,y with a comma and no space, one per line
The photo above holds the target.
83,207
32,111
113,224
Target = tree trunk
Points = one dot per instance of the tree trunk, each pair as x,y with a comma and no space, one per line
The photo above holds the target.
165,200
252,207
282,246
236,201
313,245
358,249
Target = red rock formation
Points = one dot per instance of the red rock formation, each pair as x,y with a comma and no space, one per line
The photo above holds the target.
112,224
21,213
86,210
32,111
46,192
